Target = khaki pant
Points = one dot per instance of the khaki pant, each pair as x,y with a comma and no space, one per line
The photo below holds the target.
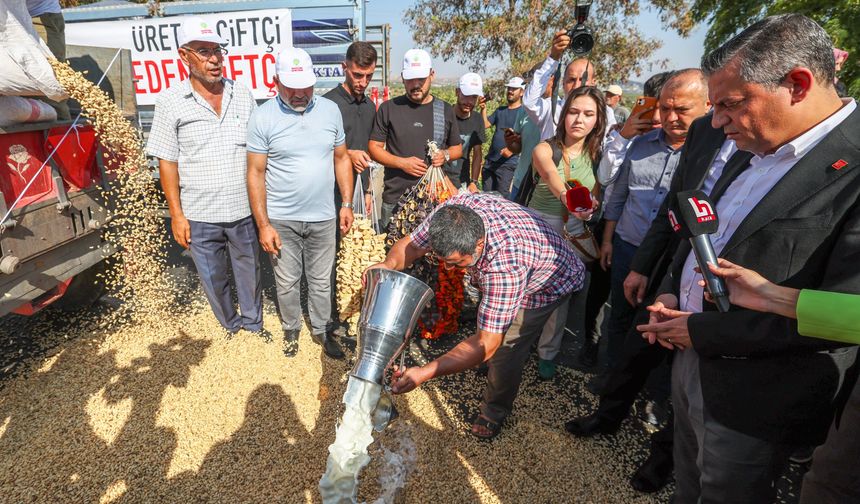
52,29
506,365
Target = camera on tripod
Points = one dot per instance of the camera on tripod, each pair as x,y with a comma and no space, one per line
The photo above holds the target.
581,39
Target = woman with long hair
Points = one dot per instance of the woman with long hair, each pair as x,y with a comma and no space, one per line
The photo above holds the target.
579,138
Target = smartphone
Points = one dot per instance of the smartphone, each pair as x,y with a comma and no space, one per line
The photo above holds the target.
644,103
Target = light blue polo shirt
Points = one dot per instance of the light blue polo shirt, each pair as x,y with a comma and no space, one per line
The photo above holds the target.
300,148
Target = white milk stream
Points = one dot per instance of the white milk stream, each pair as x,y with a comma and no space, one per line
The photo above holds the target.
348,454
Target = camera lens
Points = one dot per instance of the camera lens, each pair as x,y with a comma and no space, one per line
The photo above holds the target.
581,41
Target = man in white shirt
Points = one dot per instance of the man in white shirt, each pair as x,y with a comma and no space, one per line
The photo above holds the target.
747,389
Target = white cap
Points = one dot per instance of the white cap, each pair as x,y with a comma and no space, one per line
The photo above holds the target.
197,28
516,82
615,89
471,85
416,64
295,69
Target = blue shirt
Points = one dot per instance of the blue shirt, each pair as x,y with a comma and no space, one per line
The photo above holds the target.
300,167
501,118
642,184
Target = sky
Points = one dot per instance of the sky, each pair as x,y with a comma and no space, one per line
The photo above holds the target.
681,53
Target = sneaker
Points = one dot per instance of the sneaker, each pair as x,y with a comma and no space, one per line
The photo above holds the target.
330,346
546,369
291,342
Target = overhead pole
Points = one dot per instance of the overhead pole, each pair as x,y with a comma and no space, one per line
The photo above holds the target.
360,18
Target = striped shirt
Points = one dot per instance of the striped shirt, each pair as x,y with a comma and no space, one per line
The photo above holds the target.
525,263
210,150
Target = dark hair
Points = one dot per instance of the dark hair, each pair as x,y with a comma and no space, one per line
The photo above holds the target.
654,84
594,139
455,228
771,48
361,53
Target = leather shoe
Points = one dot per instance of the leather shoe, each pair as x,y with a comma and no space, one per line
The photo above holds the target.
330,346
653,474
588,353
590,425
291,342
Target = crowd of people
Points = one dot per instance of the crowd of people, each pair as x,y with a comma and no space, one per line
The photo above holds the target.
760,128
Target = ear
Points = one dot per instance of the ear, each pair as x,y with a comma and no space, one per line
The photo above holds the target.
183,55
343,65
800,81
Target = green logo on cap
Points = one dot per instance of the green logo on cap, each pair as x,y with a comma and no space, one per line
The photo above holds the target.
416,58
296,61
204,25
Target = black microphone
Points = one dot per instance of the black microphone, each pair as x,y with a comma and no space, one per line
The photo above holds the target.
693,216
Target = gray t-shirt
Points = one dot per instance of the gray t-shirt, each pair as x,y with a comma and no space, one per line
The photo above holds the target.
300,147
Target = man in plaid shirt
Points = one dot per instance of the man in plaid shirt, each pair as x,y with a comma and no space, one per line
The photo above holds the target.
524,269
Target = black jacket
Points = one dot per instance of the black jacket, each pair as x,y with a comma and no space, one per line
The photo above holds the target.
759,376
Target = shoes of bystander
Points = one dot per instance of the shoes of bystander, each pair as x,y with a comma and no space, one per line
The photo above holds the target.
590,425
546,369
291,342
330,346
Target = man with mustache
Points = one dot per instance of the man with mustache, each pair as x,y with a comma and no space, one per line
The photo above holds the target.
466,170
403,126
296,152
198,135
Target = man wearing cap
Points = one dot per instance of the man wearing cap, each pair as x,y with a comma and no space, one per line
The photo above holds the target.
198,135
467,169
296,153
501,161
403,126
613,100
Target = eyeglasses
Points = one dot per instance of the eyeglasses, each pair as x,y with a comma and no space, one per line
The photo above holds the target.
207,52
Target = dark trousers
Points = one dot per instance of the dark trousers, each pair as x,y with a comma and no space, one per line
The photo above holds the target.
506,365
209,248
622,312
498,178
598,289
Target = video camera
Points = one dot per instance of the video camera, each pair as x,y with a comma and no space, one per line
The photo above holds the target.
581,39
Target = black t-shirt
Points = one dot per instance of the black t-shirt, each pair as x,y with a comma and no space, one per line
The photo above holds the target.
472,133
357,123
405,127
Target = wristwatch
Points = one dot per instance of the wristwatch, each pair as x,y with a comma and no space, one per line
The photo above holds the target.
346,204
447,155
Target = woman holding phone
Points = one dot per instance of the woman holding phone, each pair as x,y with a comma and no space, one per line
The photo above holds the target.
578,140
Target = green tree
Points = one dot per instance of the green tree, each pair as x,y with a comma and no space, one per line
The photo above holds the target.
840,18
519,31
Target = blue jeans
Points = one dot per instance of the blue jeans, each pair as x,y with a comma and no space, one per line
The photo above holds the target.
209,246
498,178
622,312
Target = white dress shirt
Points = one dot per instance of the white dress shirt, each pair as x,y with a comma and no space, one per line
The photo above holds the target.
747,191
539,108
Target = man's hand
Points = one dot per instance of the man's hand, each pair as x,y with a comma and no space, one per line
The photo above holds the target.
482,103
666,325
413,166
360,160
346,218
269,239
181,230
511,137
634,288
559,43
380,265
637,125
473,188
438,159
407,380
606,255
505,152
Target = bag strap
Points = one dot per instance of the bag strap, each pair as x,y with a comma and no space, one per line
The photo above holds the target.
439,122
557,154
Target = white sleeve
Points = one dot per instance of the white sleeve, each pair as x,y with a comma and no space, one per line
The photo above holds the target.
537,107
614,150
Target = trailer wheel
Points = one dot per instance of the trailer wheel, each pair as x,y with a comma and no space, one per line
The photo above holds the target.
86,288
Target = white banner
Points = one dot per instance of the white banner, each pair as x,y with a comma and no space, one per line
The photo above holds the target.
254,40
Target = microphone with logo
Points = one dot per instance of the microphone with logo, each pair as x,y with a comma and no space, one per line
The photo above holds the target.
698,221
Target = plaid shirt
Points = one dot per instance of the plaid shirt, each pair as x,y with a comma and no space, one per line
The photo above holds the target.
525,263
210,150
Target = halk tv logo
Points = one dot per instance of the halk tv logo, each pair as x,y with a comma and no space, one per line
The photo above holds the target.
703,210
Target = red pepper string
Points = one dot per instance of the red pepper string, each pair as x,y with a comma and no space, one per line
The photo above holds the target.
449,304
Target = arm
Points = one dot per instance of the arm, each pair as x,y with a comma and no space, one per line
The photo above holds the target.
613,155
477,162
269,238
345,184
537,107
168,172
402,254
542,161
411,165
